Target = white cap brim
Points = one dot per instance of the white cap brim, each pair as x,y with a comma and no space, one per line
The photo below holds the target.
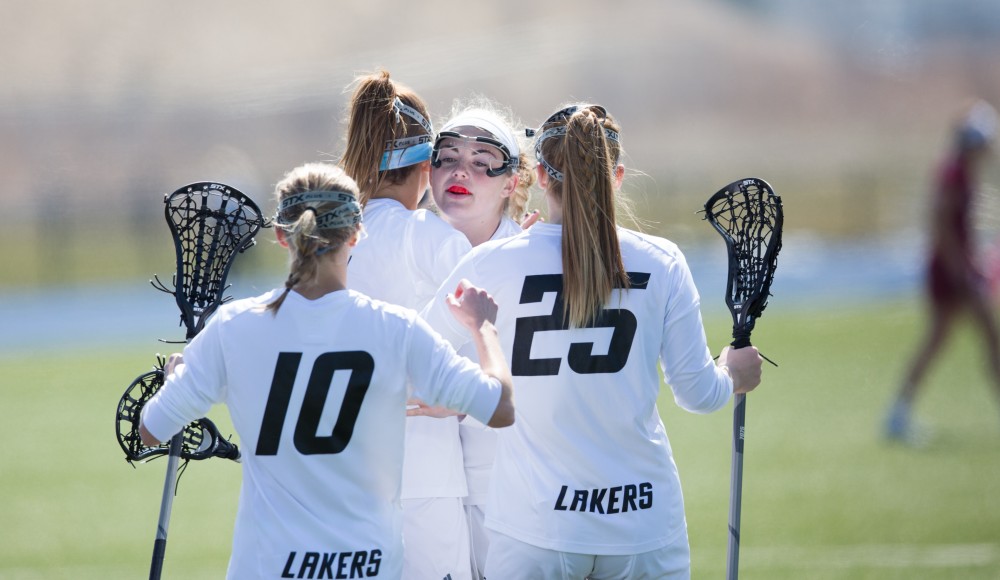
489,122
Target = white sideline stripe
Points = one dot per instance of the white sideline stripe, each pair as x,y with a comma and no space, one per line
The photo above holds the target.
872,556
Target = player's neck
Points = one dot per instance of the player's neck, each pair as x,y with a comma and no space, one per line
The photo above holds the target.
555,209
407,193
331,276
477,231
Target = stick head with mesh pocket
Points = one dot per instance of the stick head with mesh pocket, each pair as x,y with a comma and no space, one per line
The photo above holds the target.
201,438
210,223
748,216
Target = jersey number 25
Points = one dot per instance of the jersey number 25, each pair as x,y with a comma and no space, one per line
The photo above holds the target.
580,354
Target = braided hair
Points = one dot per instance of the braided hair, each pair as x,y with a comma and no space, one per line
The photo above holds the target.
579,149
318,212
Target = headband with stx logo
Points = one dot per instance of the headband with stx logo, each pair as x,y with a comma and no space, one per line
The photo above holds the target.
347,214
564,115
408,150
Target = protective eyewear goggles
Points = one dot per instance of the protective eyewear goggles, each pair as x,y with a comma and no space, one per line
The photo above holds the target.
509,163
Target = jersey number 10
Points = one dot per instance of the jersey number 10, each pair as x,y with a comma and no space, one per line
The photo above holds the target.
359,363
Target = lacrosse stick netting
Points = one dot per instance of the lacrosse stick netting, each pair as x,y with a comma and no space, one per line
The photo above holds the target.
200,439
748,216
210,223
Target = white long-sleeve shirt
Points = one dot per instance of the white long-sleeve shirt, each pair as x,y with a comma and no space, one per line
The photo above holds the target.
318,395
587,465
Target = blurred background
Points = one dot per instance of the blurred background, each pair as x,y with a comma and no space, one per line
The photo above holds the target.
842,106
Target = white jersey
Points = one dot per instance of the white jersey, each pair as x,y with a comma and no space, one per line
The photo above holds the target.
317,395
402,261
506,229
479,442
587,465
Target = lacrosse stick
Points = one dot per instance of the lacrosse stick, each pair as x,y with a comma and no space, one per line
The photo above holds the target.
748,215
210,224
200,439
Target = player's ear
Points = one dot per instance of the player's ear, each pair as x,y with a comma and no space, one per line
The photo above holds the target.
619,175
510,186
279,234
542,178
354,239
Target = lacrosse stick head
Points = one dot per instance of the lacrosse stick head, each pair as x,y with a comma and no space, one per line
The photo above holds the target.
748,216
210,223
201,438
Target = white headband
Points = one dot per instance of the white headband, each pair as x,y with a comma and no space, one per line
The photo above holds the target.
489,122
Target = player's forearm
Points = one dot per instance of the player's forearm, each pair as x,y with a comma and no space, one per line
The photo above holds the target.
494,364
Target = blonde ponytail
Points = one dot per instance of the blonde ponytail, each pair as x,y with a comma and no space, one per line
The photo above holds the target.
580,155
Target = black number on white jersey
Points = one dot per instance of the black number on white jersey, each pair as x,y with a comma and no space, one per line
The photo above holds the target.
579,354
361,366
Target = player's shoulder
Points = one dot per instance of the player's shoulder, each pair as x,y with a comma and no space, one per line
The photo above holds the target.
247,306
510,234
429,223
650,245
431,219
507,228
382,309
396,214
493,249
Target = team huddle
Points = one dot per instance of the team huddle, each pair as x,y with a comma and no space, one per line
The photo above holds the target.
447,386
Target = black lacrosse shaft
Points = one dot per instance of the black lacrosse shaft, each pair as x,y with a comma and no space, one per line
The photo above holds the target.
736,472
166,506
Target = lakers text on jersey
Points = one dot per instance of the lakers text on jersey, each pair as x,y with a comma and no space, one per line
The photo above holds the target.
606,500
333,565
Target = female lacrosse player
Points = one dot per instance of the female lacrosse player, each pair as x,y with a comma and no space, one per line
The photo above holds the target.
480,179
407,253
954,281
315,377
584,486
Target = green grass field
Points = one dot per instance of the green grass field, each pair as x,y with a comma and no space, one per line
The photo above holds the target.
824,496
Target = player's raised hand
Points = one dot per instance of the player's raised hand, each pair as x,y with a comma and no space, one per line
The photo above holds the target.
472,306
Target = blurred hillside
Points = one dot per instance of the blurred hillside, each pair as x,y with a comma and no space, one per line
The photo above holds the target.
105,106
